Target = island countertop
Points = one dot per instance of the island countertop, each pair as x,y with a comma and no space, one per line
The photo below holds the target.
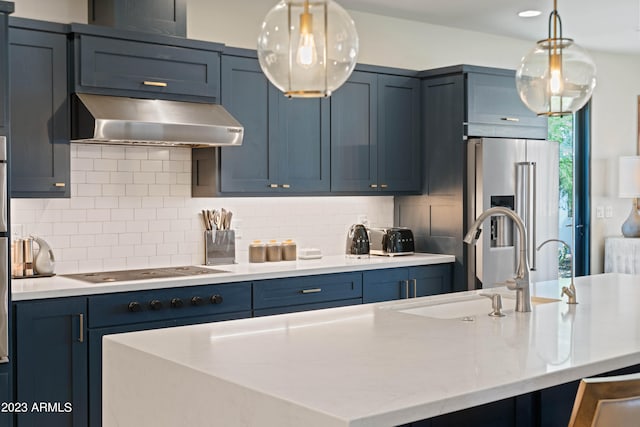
369,365
61,286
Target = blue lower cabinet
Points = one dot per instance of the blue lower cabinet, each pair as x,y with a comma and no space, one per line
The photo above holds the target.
6,400
306,307
430,280
385,285
155,309
401,283
307,293
51,362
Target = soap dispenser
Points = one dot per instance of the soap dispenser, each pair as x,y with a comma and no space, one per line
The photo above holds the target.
44,261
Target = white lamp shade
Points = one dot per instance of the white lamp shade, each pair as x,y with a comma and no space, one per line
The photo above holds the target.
629,177
330,48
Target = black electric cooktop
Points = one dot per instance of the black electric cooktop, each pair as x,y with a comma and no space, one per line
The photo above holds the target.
142,274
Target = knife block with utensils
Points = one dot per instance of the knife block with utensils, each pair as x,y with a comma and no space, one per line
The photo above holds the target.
219,247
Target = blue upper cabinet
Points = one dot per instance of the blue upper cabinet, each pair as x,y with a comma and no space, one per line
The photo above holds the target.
398,133
375,134
5,9
354,134
126,63
494,108
286,141
39,109
247,95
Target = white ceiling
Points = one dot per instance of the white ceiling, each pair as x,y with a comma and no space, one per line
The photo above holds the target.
605,25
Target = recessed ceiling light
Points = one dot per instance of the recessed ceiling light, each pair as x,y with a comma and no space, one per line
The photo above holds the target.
529,13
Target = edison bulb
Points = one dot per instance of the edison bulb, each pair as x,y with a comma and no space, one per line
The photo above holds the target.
555,82
307,55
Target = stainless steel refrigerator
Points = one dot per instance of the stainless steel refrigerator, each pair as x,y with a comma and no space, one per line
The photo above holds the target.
522,175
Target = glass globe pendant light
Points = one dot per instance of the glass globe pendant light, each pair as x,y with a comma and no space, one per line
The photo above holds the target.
307,49
556,77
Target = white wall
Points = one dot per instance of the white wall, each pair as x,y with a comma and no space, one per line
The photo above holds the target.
130,208
409,44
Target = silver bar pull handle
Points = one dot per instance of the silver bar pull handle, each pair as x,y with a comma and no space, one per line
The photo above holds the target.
510,119
406,289
531,221
526,206
415,287
311,291
81,335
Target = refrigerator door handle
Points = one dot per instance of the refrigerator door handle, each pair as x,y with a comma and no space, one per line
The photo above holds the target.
526,205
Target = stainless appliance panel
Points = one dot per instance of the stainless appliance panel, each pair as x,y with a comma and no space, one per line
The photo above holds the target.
545,155
495,161
4,299
522,175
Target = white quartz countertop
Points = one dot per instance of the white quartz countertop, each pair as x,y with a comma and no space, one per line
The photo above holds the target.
367,365
60,286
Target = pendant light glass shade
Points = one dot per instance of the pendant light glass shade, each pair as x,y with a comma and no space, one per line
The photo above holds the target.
307,48
556,77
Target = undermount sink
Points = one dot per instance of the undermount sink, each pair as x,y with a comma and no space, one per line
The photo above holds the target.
465,307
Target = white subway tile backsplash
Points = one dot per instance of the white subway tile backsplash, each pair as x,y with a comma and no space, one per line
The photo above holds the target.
144,178
129,165
109,165
97,178
139,153
121,177
151,166
131,208
122,214
99,215
99,252
112,152
89,190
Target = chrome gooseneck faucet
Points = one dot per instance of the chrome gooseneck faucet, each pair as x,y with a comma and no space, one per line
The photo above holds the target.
571,290
520,283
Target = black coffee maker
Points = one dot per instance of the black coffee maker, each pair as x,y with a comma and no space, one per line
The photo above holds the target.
358,242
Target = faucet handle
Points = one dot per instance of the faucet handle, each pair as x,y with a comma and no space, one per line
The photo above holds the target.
571,293
496,304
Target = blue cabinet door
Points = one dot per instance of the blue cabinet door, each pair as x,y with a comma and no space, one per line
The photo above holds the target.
303,141
51,361
494,108
431,280
6,417
399,134
400,283
40,118
248,96
354,140
4,79
286,142
385,285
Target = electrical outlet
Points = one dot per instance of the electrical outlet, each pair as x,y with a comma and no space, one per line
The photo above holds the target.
599,212
608,212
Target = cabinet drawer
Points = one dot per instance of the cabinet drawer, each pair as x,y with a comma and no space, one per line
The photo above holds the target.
306,290
147,68
306,307
176,303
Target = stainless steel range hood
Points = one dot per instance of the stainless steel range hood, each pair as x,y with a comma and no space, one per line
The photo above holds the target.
120,120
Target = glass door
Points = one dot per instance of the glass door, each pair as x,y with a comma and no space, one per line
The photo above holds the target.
572,134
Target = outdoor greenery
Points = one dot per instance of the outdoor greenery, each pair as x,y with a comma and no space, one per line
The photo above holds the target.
561,130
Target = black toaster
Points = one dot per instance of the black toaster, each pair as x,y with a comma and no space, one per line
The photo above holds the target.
391,241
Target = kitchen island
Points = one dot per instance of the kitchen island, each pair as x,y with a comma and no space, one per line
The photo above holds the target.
368,365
